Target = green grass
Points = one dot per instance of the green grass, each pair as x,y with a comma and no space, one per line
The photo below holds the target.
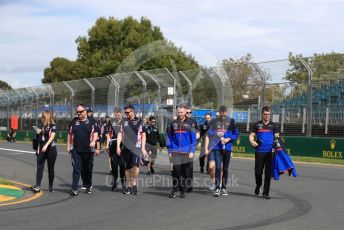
300,159
5,182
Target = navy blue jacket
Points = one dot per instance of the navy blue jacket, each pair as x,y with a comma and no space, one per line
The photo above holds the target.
181,137
228,127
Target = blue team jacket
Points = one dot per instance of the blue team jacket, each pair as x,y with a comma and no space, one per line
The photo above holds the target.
228,127
181,137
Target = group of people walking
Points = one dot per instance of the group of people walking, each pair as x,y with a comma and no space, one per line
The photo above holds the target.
130,143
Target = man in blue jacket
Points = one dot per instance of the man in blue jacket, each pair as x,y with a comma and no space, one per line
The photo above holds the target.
181,146
262,138
221,134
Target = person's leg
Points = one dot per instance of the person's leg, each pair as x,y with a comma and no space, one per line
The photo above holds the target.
267,173
114,166
51,158
211,159
201,160
87,164
135,171
154,153
226,159
76,162
258,169
40,167
218,168
122,171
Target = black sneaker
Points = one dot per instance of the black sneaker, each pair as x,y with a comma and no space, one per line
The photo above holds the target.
189,189
88,191
36,188
152,170
134,191
266,196
114,188
256,191
127,191
51,189
202,170
173,194
182,195
74,192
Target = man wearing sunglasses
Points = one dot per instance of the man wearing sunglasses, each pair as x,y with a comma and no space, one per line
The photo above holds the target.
150,138
82,144
130,137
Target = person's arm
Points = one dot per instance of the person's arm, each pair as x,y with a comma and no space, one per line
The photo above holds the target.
252,141
51,139
69,139
193,143
206,144
119,140
143,144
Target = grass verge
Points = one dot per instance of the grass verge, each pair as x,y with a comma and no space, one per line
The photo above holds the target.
300,159
5,182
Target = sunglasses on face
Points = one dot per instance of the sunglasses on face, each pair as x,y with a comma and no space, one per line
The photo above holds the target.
188,112
127,112
80,112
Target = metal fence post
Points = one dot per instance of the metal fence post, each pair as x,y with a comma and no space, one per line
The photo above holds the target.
309,97
71,97
144,93
92,93
263,76
190,87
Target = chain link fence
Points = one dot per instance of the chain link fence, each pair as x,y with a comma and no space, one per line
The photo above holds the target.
307,106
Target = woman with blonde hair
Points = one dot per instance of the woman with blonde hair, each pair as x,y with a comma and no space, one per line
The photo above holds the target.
46,150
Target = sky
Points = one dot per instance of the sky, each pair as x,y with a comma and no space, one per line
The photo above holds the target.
33,32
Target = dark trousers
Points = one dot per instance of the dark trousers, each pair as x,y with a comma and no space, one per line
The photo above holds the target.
82,162
222,159
263,162
182,171
50,156
118,162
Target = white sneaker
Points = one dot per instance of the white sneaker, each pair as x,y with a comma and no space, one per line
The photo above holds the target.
223,192
217,193
82,188
212,187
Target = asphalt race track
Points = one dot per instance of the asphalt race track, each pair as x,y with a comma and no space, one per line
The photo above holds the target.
314,200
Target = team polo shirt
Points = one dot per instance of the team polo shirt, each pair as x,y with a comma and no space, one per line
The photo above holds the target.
131,132
114,129
82,133
46,133
152,135
266,135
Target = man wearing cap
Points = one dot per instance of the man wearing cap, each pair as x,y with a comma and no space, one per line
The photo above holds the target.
222,133
150,138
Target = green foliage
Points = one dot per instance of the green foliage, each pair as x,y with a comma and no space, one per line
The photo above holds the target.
325,67
110,42
4,85
243,77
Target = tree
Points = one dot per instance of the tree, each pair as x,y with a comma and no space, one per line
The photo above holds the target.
325,66
4,85
111,41
243,78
